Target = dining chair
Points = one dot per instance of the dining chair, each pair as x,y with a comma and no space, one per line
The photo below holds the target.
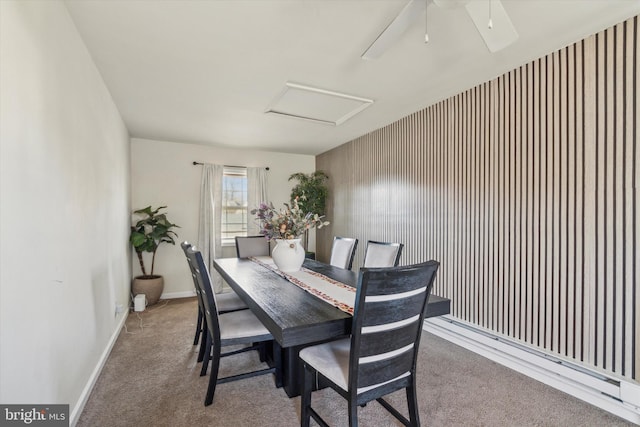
382,254
230,329
380,356
342,252
226,302
248,246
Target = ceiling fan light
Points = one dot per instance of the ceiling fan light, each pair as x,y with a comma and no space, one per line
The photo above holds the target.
496,37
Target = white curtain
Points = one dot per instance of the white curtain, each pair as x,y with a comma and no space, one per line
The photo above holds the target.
210,225
256,194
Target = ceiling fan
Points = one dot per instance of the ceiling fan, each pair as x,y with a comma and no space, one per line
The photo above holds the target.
489,16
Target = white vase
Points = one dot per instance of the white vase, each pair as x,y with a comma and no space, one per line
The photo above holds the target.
288,255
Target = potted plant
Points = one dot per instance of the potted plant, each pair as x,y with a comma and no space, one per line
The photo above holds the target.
311,191
151,228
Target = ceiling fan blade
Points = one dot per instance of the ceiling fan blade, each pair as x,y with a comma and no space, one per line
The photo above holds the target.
397,27
503,32
450,4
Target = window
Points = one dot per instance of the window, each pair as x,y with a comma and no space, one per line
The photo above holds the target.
234,204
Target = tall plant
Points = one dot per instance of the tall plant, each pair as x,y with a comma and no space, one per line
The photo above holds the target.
311,191
150,230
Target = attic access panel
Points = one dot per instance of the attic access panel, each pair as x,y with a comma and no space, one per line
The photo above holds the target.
317,105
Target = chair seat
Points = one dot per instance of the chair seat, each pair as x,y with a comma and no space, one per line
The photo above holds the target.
241,327
229,301
331,359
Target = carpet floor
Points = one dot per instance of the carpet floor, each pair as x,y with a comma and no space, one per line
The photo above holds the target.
151,378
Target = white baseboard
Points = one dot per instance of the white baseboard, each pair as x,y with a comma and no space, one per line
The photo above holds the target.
187,294
609,393
86,392
181,294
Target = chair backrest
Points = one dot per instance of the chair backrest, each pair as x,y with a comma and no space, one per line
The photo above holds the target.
203,280
343,251
185,247
382,254
247,246
387,323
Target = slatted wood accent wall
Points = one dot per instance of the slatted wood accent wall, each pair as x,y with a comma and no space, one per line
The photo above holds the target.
525,188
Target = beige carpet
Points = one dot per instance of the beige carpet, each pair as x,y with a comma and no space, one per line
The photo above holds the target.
152,379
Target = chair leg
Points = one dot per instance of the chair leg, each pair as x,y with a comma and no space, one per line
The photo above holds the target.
305,398
203,345
353,414
206,356
213,378
412,403
198,327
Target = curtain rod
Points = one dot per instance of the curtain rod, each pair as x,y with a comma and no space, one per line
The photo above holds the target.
228,166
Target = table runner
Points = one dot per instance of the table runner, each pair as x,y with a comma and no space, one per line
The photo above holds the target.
335,293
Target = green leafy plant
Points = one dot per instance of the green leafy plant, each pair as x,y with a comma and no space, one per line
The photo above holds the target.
150,230
311,190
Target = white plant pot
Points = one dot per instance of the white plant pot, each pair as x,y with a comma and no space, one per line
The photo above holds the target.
288,255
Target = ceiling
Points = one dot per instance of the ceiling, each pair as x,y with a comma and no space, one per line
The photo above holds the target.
207,71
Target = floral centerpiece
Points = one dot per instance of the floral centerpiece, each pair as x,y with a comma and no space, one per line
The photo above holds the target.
286,226
291,222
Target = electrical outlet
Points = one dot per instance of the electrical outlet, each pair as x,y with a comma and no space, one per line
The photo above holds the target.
119,308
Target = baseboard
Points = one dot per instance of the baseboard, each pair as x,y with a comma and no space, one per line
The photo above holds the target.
609,393
187,294
181,294
86,392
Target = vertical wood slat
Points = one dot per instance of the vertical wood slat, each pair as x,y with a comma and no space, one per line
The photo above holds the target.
580,300
632,186
591,129
608,218
618,182
536,160
525,189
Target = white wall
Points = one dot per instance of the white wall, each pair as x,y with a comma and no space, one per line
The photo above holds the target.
64,210
163,174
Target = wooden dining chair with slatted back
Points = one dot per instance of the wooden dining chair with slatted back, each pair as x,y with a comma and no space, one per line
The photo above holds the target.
227,302
342,252
380,356
382,254
230,329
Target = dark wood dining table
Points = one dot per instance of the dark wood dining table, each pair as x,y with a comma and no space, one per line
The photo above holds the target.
295,317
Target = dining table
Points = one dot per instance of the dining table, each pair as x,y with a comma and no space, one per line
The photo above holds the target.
296,317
